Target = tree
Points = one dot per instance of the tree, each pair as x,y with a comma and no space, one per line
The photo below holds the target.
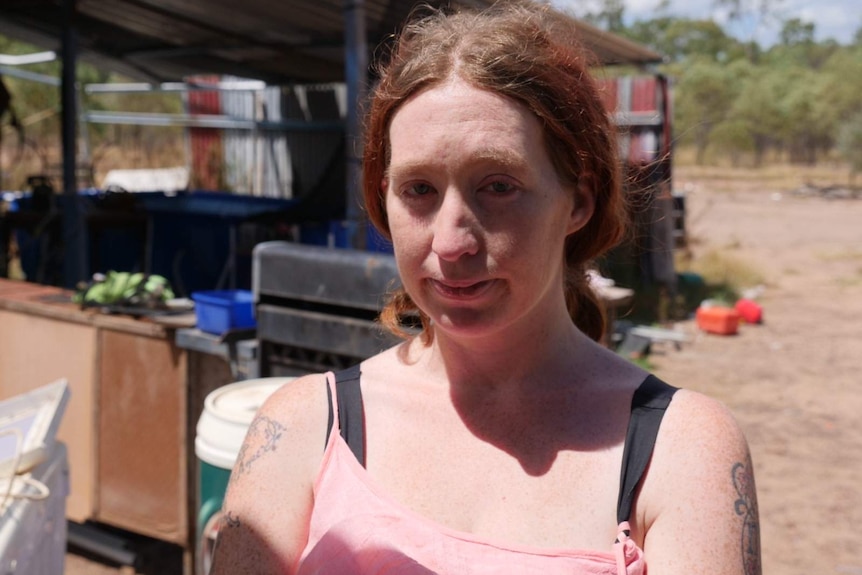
681,38
838,102
795,32
704,96
757,109
797,45
804,131
605,14
850,144
753,13
732,136
610,17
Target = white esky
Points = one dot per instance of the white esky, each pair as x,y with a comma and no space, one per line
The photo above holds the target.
835,19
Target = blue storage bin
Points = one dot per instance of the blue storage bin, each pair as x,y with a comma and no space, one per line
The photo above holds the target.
221,310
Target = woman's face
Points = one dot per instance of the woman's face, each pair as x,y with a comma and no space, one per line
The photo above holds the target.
477,214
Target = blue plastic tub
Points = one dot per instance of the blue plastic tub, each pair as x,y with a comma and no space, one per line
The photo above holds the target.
223,310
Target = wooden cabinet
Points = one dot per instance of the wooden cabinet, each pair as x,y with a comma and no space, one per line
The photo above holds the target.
143,444
129,425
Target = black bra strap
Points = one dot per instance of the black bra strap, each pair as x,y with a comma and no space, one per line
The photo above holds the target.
351,417
648,406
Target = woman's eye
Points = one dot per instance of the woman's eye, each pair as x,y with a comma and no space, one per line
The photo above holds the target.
419,189
500,187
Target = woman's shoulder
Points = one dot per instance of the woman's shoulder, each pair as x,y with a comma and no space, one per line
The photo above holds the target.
296,396
695,420
293,420
698,434
281,436
699,491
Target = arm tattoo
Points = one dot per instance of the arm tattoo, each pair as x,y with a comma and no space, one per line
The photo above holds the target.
262,426
746,507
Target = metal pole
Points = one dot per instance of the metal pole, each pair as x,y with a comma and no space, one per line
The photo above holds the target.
356,75
73,228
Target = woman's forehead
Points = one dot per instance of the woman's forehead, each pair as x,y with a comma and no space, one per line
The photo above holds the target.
456,117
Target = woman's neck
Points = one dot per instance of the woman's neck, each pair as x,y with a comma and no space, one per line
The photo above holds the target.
518,357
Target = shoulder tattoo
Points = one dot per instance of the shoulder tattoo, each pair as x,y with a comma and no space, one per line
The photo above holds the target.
230,520
745,507
263,432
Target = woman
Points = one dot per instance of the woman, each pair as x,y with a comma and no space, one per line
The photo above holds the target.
492,442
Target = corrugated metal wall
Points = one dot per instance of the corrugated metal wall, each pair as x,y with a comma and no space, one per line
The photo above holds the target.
257,162
636,102
205,144
269,162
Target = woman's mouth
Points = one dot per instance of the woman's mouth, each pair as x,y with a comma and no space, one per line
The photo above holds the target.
462,289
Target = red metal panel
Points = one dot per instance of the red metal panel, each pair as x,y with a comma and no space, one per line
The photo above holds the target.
644,94
206,143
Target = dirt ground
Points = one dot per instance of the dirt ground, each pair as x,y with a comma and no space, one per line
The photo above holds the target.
793,382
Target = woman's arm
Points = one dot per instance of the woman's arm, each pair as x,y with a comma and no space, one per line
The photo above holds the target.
266,511
698,502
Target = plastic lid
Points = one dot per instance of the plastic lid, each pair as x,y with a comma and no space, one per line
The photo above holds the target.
228,412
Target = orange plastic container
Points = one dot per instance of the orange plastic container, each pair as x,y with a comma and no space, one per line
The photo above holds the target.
718,320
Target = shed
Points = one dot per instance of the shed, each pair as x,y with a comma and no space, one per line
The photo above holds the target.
278,41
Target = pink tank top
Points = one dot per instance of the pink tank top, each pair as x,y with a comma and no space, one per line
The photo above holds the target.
356,529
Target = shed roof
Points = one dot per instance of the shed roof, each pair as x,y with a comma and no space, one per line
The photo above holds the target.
279,41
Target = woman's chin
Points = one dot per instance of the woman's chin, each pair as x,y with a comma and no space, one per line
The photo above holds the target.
467,323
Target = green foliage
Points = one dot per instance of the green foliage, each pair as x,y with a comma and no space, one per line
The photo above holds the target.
125,289
842,85
795,32
733,139
682,38
850,142
608,16
710,91
804,130
738,100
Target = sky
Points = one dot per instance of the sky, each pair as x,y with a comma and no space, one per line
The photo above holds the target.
836,19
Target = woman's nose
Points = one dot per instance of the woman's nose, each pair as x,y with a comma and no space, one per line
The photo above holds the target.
455,228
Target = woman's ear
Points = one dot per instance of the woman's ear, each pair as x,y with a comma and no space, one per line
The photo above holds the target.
583,206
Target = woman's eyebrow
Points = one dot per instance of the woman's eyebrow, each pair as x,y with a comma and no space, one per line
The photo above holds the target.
504,157
403,169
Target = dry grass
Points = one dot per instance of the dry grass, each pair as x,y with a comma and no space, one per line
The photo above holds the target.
725,274
848,254
853,281
776,175
118,147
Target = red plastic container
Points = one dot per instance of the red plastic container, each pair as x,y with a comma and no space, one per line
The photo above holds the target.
718,320
751,312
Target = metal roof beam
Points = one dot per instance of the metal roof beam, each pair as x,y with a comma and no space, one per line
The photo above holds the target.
356,74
